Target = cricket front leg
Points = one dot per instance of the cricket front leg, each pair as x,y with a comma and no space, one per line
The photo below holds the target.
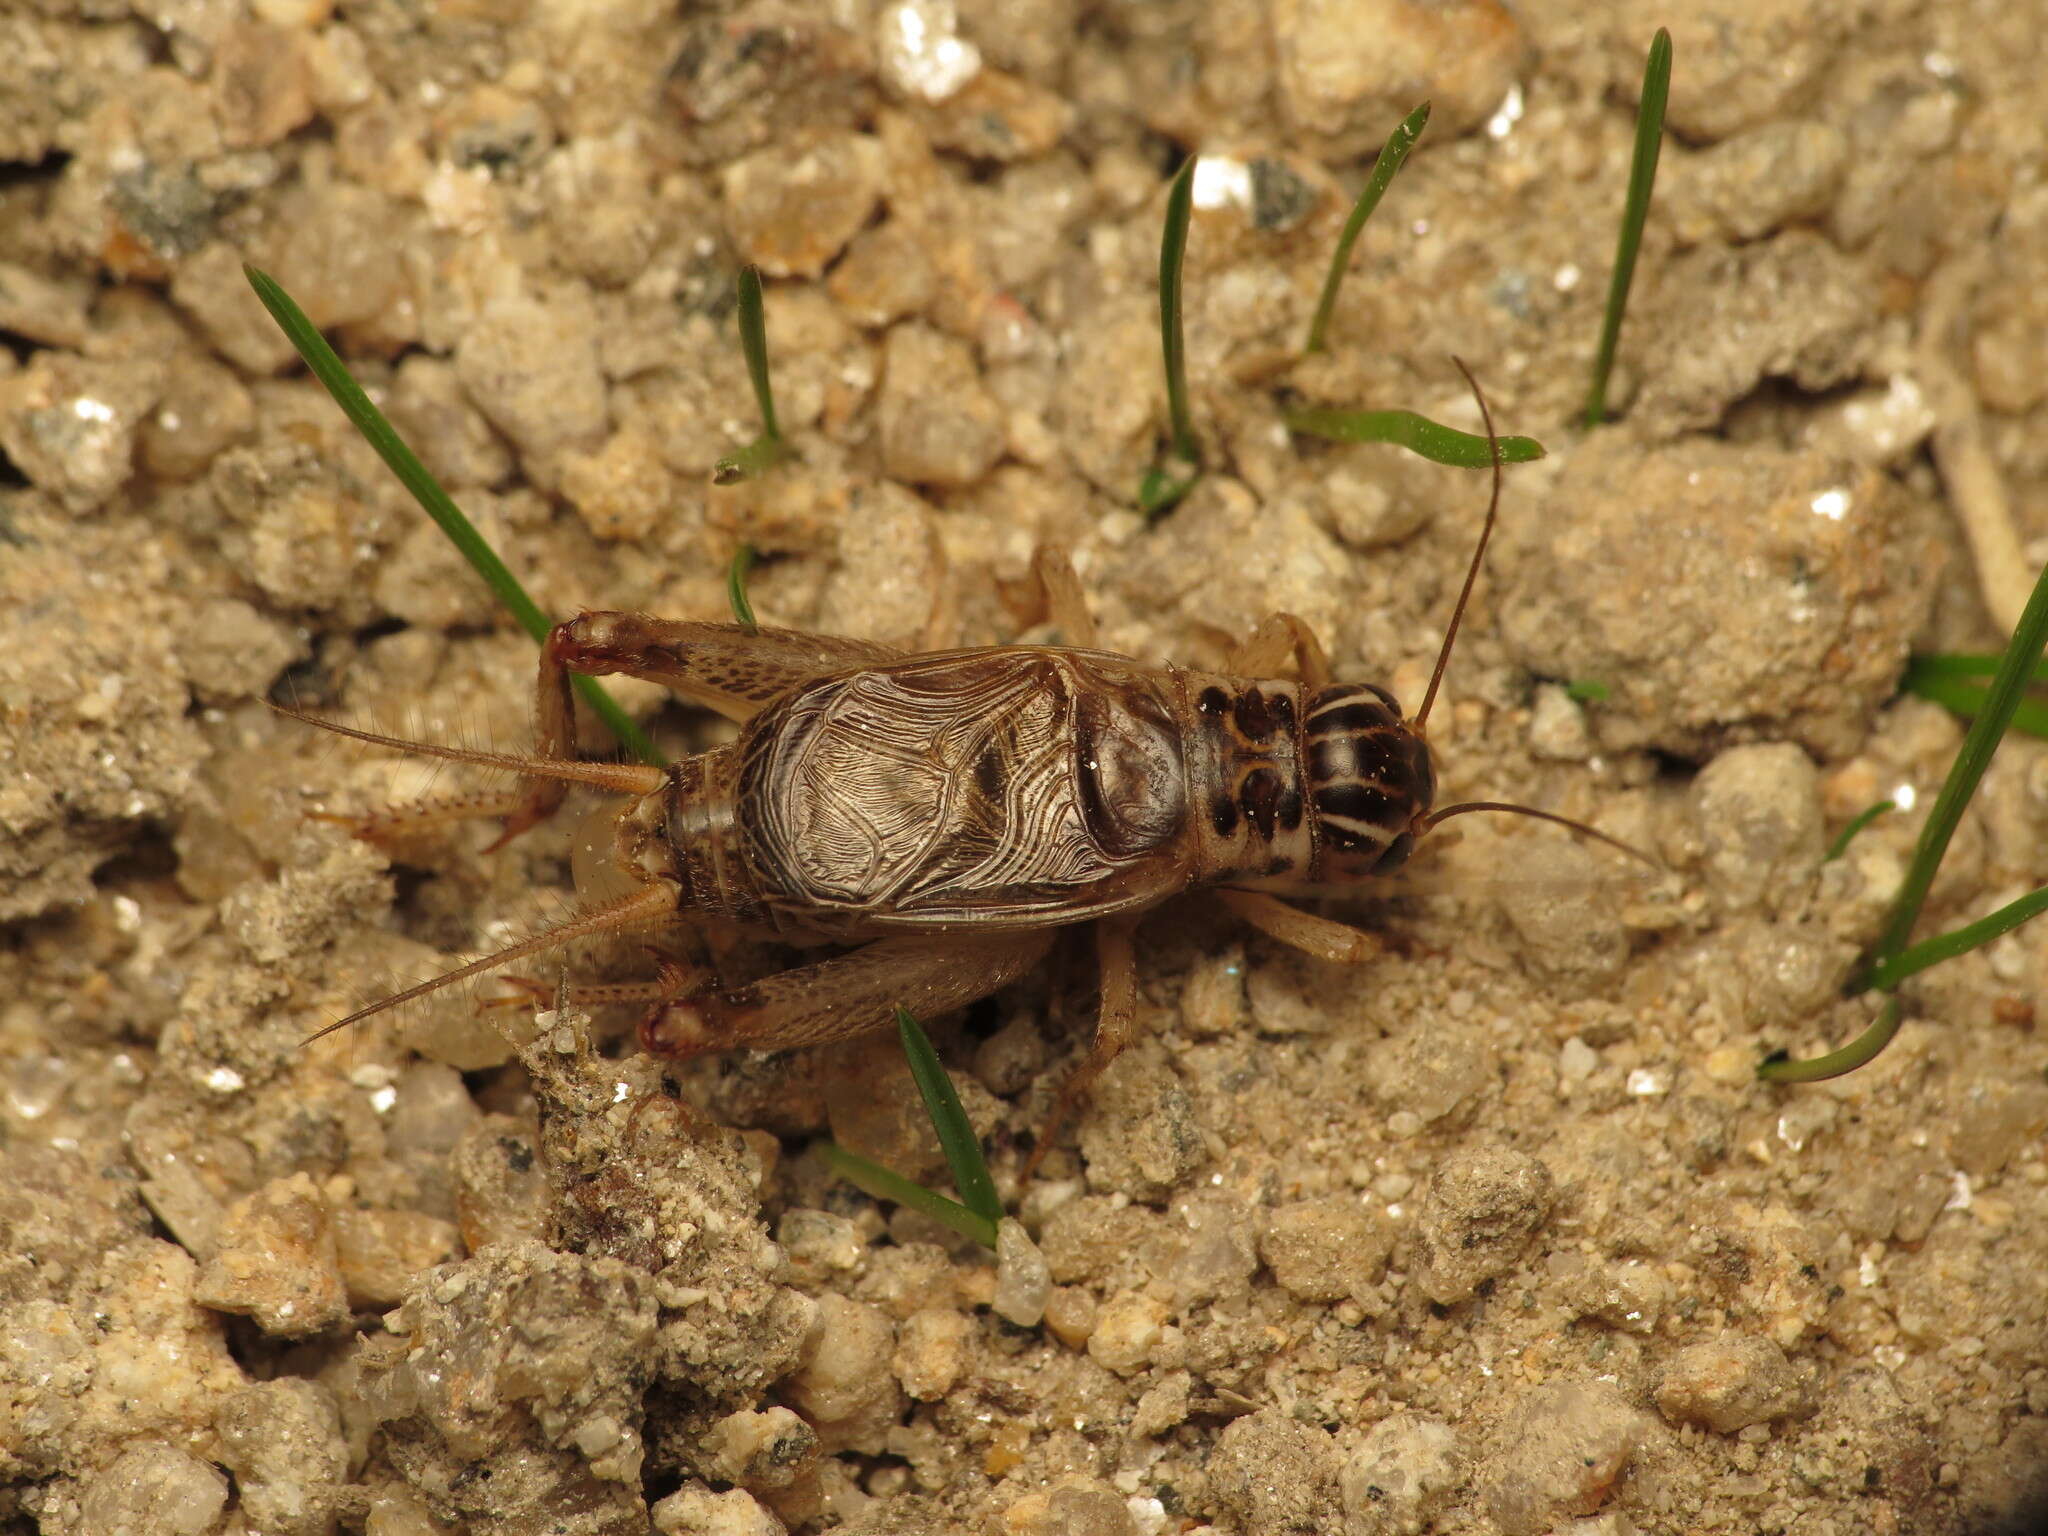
848,995
1312,935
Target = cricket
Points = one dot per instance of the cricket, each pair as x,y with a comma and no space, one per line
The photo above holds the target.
942,817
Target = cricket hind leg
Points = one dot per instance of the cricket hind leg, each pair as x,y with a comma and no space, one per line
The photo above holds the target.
848,995
725,667
1115,1022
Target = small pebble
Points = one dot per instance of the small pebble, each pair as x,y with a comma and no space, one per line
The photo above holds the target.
1126,1329
1074,1506
1325,1250
1393,1478
1477,1217
791,208
1558,1451
277,1261
1023,1280
283,1441
1758,812
381,1252
697,1511
1272,1472
845,1388
931,1352
1070,1315
153,1489
1729,1383
939,425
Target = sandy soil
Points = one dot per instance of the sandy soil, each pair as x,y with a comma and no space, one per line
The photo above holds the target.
1495,1233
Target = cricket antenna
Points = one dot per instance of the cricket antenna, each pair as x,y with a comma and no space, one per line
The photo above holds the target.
1443,657
1552,817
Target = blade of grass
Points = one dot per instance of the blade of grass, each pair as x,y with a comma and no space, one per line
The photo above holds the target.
956,1137
2015,666
426,490
1642,176
1384,169
1588,690
736,588
884,1185
1860,1052
1888,973
769,448
1847,835
1960,697
1418,434
1166,485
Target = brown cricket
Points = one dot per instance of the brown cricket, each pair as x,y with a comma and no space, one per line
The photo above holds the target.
943,816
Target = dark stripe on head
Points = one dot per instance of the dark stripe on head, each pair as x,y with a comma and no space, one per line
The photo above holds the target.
1363,802
1345,719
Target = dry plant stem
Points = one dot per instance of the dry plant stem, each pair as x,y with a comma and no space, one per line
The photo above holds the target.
1975,487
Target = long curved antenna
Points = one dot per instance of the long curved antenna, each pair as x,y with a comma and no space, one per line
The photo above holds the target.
653,901
622,778
1443,657
1579,827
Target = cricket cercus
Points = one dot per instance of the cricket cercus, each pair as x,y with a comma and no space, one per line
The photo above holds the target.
942,816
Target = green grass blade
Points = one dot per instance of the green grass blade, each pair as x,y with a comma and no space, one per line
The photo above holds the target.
1384,169
1173,245
1860,1052
1887,974
1847,835
884,1185
426,490
956,1137
769,448
1642,176
1164,486
1955,664
1588,690
736,589
1958,697
1999,705
1418,434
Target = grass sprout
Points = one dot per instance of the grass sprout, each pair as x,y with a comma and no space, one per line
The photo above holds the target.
1889,961
736,589
378,432
1642,177
1952,682
1418,434
770,448
1847,835
1392,154
978,1210
1165,484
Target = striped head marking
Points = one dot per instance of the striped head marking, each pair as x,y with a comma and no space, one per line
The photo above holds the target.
1369,777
